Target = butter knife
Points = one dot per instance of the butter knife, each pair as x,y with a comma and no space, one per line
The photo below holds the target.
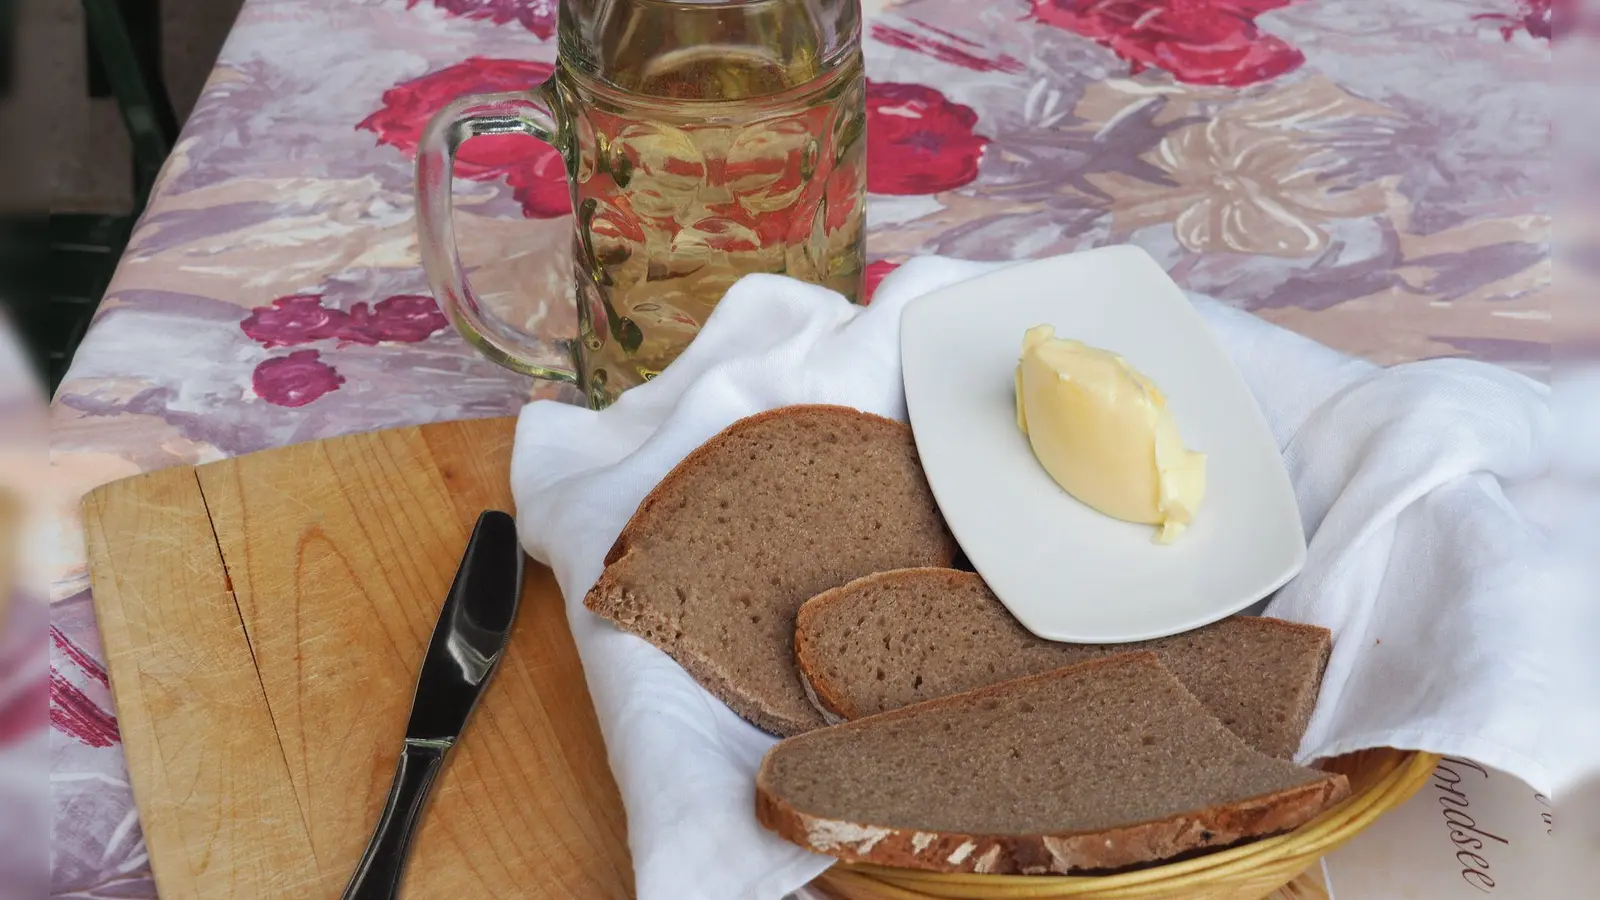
467,644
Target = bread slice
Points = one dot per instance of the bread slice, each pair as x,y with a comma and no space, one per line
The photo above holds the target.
1102,765
894,638
777,508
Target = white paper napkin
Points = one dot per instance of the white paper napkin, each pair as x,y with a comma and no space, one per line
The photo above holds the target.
1441,595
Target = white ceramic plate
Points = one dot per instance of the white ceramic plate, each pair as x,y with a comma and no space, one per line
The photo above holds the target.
1067,572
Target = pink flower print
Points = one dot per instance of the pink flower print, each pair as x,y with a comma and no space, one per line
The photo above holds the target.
1213,42
302,319
538,16
875,274
533,168
72,713
945,47
407,318
85,663
1536,17
918,140
295,319
294,380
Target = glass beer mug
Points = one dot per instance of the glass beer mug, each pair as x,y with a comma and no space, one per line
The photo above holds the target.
704,140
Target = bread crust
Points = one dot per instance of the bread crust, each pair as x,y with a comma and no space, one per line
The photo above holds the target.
1057,853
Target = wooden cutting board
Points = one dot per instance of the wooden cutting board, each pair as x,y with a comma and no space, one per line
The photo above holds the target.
263,621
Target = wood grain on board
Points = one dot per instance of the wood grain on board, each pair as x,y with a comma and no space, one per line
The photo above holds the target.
214,798
264,618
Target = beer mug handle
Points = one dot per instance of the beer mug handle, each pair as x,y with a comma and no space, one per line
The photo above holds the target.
523,112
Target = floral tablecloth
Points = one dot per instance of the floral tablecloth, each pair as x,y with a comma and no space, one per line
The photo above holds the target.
1370,173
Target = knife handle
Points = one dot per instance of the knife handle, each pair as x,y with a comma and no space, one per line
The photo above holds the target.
377,876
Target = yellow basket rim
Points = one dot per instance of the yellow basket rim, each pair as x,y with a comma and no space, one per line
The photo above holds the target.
1399,775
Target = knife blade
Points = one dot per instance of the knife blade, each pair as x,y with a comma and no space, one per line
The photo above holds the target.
467,643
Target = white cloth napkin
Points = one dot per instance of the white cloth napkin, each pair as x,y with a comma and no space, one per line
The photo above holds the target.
1440,594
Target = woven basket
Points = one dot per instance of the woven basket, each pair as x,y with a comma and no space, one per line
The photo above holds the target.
1380,780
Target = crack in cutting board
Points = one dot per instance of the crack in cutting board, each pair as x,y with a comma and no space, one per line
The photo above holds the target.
263,618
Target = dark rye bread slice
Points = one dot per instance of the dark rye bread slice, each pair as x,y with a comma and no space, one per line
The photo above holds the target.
894,638
775,509
1102,765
